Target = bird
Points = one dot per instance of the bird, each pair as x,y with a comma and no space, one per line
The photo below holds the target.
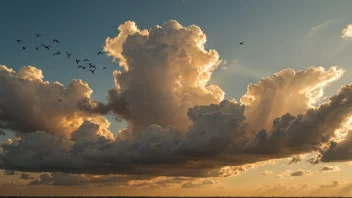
92,66
38,35
85,60
23,48
77,61
46,47
242,43
68,55
55,41
104,68
57,53
18,41
92,71
79,66
100,53
37,48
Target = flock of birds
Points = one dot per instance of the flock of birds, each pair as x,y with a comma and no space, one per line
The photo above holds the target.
57,53
92,68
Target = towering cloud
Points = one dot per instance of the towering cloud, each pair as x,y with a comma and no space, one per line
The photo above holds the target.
286,92
166,72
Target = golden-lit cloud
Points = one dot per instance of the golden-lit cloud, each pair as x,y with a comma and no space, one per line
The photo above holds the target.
347,32
30,104
327,168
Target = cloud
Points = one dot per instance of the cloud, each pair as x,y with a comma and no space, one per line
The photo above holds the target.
334,184
267,172
199,183
178,125
338,152
166,72
26,176
9,172
347,32
301,173
216,138
283,174
286,91
327,168
295,159
30,104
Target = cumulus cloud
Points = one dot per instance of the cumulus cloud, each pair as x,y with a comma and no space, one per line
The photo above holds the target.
167,69
267,172
327,168
301,173
30,104
286,92
283,174
217,138
178,125
295,159
347,32
9,172
338,152
334,184
26,176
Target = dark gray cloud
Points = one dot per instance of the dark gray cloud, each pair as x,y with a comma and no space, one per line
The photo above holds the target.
327,168
9,172
301,173
26,176
295,159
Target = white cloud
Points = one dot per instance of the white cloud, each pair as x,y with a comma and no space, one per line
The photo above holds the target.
347,32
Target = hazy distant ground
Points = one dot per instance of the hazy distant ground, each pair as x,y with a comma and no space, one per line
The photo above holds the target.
161,196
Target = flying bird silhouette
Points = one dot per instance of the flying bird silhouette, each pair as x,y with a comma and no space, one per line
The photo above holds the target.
100,53
79,66
104,68
46,47
77,61
92,71
38,35
242,43
18,41
57,53
55,41
37,48
23,48
85,60
68,55
92,66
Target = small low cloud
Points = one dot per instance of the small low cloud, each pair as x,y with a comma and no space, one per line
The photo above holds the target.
347,32
283,175
26,176
9,172
330,169
294,160
301,173
267,172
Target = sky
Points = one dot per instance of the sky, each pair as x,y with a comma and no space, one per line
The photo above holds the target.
182,108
